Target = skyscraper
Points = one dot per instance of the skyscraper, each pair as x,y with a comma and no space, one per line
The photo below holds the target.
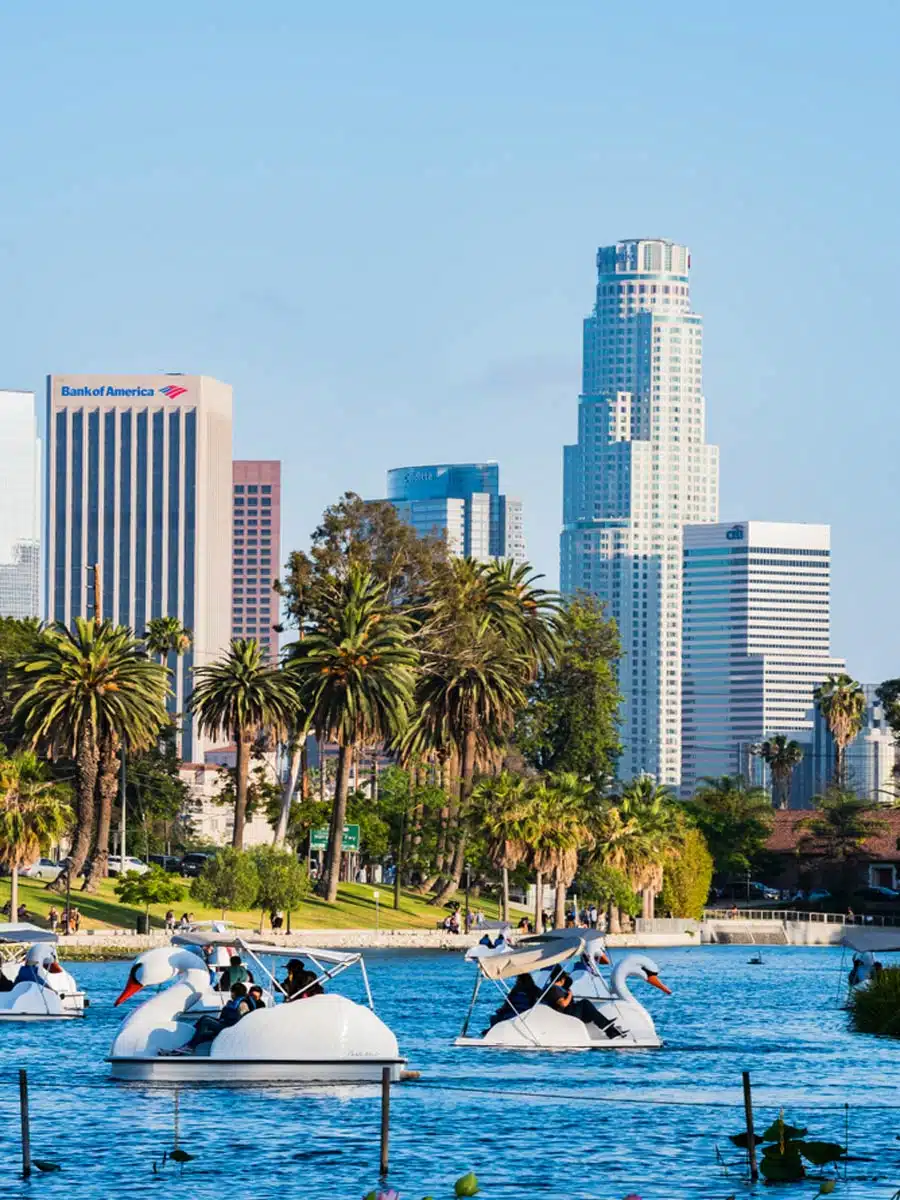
20,509
641,468
139,483
463,503
757,640
256,560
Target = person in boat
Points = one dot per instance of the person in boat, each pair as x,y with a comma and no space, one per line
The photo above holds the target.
559,997
300,982
861,969
255,996
208,1028
35,967
234,973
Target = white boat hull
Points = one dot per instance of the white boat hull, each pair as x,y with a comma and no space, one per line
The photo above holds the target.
627,1026
226,1071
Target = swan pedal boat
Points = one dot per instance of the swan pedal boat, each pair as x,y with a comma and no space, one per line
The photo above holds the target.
56,998
625,1023
323,1038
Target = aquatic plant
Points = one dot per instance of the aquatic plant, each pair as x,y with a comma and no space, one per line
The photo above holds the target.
784,1147
875,1008
466,1185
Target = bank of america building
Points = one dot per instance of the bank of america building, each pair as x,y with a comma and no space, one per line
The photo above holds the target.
138,483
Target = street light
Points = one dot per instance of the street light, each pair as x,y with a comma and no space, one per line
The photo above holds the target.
375,896
468,883
68,896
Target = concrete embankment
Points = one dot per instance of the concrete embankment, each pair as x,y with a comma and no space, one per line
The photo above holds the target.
738,931
101,944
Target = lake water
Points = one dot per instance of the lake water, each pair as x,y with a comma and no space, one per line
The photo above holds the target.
548,1126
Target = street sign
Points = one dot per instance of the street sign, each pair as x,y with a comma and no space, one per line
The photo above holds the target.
318,838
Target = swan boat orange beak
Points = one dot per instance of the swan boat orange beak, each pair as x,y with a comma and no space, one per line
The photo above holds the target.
130,988
658,983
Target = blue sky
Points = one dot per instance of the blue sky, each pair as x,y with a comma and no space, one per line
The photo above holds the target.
378,222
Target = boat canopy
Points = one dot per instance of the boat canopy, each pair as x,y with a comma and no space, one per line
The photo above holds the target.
22,931
571,937
527,958
331,956
195,937
883,940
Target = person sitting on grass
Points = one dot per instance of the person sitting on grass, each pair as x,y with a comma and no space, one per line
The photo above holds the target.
208,1028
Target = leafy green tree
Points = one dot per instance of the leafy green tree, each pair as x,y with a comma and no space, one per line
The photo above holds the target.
837,832
81,691
556,828
687,877
283,881
263,791
34,815
735,819
155,886
157,798
608,888
18,638
660,823
239,696
781,756
570,722
501,805
354,673
229,881
842,702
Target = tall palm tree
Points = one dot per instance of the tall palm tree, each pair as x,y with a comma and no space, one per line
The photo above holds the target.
78,689
502,804
238,696
559,832
838,829
622,844
842,702
658,818
167,635
34,815
781,756
354,675
531,615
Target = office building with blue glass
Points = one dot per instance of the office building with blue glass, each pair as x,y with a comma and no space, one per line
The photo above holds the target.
138,486
461,502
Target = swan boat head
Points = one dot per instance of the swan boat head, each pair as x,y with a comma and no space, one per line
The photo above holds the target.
638,966
163,964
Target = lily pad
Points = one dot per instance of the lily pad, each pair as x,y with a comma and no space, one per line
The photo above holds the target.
182,1156
780,1129
776,1167
826,1187
42,1164
466,1185
820,1153
740,1140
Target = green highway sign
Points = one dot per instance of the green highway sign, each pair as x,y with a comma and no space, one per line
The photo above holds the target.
318,838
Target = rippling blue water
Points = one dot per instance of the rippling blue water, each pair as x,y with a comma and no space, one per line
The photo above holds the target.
551,1126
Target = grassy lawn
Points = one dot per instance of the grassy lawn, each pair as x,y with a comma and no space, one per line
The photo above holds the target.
355,909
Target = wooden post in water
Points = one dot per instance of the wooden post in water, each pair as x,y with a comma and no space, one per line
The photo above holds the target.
751,1137
385,1116
26,1130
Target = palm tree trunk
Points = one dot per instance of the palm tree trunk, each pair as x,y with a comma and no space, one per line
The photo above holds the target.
107,786
466,778
320,747
304,770
295,765
559,916
539,902
241,776
613,923
86,766
332,871
14,892
504,873
838,763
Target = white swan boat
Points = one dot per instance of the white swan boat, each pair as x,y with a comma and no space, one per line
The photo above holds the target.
33,985
602,1017
323,1038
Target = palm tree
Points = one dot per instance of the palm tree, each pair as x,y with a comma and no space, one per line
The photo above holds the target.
78,690
842,703
781,756
502,803
559,831
620,843
34,815
354,674
533,615
167,635
238,696
838,830
659,821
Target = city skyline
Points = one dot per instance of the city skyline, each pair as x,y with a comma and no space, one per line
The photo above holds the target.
20,512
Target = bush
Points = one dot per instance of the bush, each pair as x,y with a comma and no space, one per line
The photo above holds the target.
228,881
283,881
155,886
607,885
875,1008
687,878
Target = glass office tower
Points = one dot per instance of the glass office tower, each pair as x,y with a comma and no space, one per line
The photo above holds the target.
139,486
20,511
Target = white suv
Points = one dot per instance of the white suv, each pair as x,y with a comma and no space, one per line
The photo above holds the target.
131,864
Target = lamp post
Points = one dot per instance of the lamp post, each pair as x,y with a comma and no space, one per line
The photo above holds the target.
68,895
466,920
375,896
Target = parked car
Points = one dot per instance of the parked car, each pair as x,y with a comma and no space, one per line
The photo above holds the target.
192,864
45,869
168,862
748,891
131,864
875,900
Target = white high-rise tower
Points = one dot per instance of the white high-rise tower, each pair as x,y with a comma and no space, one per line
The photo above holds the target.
640,471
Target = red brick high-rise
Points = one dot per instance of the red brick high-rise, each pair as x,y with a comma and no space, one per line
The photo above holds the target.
256,555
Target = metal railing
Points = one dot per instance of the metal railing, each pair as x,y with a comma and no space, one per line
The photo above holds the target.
787,914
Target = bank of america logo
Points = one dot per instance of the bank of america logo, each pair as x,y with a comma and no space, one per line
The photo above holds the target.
173,392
